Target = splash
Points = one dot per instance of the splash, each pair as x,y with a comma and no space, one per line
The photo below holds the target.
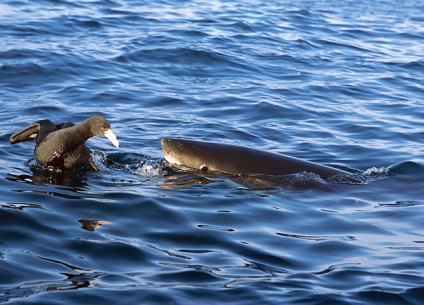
147,169
99,158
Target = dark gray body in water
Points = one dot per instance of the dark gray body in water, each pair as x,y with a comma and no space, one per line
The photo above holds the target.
231,159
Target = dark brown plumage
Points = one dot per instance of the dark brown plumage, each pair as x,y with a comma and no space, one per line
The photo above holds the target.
63,146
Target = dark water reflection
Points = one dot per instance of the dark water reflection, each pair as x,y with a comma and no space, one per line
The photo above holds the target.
91,225
41,176
192,238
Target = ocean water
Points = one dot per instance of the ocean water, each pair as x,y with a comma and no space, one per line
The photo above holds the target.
337,83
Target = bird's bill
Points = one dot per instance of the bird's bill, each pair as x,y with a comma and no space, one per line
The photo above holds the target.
112,137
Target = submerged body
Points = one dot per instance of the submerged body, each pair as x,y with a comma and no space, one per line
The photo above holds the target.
231,159
63,146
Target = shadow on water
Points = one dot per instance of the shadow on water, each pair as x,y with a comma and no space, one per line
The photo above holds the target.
69,183
295,182
177,179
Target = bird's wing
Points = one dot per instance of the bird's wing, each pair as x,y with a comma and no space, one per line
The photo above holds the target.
29,133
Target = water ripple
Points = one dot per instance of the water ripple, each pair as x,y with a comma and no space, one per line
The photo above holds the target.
334,83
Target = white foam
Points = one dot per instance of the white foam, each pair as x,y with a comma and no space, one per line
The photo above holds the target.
148,169
377,171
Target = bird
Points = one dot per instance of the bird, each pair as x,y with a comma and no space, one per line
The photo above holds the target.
62,146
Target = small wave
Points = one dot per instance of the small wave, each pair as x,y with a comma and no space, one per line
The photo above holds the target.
407,168
403,168
377,171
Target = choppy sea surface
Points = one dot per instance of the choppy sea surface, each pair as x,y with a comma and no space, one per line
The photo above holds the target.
334,82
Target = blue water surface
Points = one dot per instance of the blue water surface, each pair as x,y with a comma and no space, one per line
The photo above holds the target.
337,83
